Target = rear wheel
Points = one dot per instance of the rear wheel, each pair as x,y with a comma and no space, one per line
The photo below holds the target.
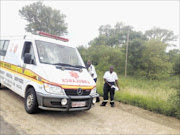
30,102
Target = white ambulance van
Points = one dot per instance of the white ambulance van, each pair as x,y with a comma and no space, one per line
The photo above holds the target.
46,72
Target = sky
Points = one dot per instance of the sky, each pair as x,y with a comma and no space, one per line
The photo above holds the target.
85,17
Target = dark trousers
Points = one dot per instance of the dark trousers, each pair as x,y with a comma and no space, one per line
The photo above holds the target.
95,80
108,89
97,99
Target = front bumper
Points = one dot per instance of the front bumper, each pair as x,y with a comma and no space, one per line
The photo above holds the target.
53,102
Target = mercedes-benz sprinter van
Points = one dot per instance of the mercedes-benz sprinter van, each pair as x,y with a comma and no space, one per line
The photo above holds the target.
46,72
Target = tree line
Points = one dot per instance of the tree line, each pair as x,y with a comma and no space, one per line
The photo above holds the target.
147,56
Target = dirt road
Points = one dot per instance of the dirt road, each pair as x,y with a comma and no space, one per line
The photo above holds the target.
122,119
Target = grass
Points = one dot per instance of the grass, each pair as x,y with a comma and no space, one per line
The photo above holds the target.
153,95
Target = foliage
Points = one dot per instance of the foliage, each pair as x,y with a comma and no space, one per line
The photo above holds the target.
116,36
103,57
135,56
176,66
160,34
155,62
43,18
158,96
174,58
146,59
147,55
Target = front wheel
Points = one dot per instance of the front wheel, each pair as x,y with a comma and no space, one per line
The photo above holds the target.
30,102
1,86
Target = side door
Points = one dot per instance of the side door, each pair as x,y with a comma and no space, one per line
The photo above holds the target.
26,69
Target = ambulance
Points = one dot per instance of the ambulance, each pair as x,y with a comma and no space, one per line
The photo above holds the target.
46,72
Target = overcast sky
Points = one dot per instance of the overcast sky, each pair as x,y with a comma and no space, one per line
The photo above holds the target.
85,17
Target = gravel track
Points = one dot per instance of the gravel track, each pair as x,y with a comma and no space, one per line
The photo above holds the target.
122,119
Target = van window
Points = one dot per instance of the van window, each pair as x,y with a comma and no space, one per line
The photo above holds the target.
3,47
28,48
50,53
2,44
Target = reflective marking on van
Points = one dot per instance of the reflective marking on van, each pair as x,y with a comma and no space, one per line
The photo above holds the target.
36,78
22,75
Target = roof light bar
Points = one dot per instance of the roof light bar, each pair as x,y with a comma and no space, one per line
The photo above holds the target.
52,36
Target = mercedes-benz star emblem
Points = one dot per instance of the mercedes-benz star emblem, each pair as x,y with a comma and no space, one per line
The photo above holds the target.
79,91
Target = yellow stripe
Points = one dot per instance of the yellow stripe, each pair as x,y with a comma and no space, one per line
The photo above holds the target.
30,75
23,76
76,87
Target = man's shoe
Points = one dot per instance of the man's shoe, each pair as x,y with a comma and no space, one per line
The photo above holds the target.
103,104
97,99
112,105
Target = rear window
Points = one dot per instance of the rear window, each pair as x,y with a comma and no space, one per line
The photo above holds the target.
3,47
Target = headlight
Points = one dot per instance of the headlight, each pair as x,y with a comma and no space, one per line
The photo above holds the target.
64,101
93,91
53,89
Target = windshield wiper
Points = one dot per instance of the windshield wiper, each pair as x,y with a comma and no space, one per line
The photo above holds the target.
64,64
79,66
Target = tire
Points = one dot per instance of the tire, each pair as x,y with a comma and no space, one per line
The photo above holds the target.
30,102
0,86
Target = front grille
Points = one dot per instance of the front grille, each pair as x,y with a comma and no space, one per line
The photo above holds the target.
72,92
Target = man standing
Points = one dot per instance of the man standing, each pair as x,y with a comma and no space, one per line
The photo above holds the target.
92,72
110,78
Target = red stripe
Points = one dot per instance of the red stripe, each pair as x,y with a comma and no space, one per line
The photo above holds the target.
53,36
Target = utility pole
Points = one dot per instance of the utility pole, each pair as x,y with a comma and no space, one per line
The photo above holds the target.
126,53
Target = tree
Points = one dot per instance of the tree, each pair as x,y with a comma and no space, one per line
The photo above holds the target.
174,59
135,57
115,36
105,30
103,56
163,35
155,63
173,54
43,18
176,66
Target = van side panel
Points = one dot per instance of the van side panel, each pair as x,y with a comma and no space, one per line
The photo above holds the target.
17,78
13,75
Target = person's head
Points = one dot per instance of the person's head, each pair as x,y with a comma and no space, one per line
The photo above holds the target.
111,69
89,63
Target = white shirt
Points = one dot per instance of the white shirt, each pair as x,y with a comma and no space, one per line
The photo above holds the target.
110,77
92,71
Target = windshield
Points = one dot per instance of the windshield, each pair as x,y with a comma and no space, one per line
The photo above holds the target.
50,53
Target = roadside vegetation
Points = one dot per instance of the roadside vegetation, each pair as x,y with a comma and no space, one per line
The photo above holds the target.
152,80
154,95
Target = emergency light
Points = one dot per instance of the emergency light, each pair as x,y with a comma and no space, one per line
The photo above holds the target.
52,36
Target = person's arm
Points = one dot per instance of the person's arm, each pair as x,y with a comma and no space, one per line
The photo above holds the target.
117,84
107,82
116,81
92,70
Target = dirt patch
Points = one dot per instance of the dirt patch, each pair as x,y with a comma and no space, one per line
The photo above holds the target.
8,129
122,119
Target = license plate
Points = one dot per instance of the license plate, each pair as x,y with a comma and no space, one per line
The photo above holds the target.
78,104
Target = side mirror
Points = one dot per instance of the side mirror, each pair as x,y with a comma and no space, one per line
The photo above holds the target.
27,58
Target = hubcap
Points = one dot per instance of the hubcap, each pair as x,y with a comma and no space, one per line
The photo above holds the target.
29,101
